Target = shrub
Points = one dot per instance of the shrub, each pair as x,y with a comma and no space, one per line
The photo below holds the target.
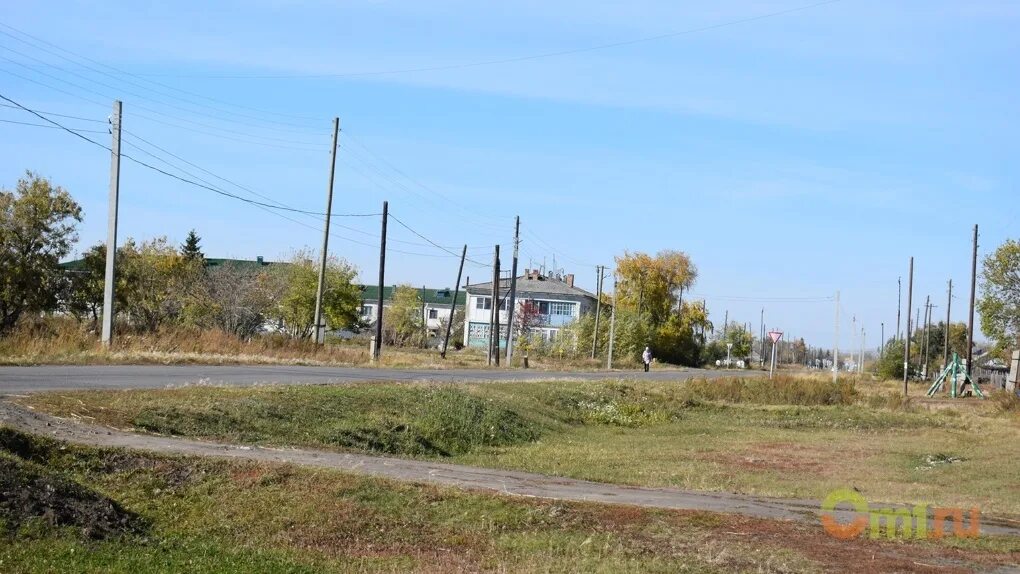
782,390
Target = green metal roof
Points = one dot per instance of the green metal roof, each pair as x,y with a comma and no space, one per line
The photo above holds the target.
76,264
370,293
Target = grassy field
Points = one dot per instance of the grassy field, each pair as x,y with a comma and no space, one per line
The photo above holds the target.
100,510
796,437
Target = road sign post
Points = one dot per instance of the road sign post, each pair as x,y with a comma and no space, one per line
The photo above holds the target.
775,336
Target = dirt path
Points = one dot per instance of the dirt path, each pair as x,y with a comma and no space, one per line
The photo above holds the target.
503,481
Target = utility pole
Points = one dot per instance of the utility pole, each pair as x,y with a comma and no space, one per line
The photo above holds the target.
761,355
382,283
726,324
881,349
424,318
973,286
598,310
494,313
853,333
111,230
906,341
835,347
612,326
453,304
513,295
949,305
860,365
899,304
320,326
924,334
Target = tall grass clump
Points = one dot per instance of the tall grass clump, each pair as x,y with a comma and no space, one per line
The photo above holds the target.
782,390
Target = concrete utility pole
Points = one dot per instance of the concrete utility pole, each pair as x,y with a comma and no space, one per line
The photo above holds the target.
949,305
111,231
726,324
881,349
382,283
906,340
494,311
835,347
320,326
973,287
424,317
513,295
453,304
612,326
761,355
860,364
853,333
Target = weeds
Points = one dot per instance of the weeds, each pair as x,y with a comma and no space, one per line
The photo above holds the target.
782,390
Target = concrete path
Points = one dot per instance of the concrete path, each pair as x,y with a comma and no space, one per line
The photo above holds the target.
502,481
52,378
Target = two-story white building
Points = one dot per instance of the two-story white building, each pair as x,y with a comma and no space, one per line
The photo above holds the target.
436,308
557,300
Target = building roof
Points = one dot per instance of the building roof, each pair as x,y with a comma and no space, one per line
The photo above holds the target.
78,264
535,284
370,294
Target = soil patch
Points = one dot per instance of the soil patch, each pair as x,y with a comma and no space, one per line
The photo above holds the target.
30,494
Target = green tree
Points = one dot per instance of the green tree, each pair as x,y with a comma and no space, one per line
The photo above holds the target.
291,288
238,299
159,286
999,305
890,365
37,229
82,295
191,248
405,322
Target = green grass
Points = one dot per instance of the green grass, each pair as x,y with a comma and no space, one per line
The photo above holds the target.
805,439
220,516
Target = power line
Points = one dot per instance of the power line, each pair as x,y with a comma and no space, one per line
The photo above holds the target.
451,253
123,72
510,60
49,127
157,112
59,115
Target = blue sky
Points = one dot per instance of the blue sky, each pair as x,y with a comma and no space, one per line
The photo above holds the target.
790,156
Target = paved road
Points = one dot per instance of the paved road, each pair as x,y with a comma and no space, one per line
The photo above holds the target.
52,378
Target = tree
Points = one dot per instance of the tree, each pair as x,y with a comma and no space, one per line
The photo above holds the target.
82,294
292,286
159,286
999,305
890,365
191,249
653,284
239,299
37,229
527,318
405,325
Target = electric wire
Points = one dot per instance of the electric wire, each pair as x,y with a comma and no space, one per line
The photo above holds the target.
511,60
50,127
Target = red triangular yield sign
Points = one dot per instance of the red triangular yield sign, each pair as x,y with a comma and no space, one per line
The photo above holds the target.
775,336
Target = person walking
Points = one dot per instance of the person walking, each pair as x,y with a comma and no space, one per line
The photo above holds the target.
646,357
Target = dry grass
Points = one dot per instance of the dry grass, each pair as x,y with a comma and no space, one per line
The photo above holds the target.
64,341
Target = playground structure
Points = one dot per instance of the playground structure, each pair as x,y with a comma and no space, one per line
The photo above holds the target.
960,382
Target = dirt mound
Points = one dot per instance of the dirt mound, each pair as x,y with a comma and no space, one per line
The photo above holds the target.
30,493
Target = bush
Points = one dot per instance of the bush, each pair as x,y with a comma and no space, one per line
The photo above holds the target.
1005,401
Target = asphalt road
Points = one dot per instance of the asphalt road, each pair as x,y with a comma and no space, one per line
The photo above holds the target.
15,380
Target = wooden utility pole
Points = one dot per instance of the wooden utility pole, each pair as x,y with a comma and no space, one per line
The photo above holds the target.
598,311
973,287
513,295
835,347
924,333
612,326
382,283
899,305
453,304
494,314
111,230
320,325
906,340
424,319
949,305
